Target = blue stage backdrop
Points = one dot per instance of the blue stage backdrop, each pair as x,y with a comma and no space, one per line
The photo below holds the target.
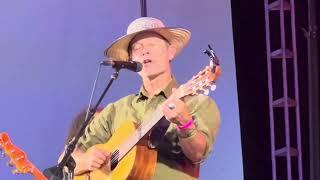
50,51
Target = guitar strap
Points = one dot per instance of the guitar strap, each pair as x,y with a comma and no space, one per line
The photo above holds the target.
157,133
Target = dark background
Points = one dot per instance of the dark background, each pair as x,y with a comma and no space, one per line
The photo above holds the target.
251,68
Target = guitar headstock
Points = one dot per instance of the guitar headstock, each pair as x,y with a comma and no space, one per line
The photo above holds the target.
18,158
205,80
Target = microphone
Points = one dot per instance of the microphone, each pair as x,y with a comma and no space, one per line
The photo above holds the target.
131,65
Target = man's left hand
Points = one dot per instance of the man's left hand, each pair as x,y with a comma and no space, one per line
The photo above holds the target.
176,110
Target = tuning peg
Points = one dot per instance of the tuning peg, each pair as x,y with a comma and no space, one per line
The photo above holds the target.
15,172
206,92
2,154
207,81
213,87
10,163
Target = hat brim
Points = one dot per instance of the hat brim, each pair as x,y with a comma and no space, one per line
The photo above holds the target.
178,37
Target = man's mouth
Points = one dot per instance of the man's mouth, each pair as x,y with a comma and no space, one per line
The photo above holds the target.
146,61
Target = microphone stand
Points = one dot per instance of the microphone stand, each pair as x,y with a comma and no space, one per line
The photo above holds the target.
56,172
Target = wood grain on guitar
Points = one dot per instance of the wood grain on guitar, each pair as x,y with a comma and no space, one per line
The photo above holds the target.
18,158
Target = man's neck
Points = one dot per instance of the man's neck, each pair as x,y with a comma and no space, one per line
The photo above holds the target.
155,85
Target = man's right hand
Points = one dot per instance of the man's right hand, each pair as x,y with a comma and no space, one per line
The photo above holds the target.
93,159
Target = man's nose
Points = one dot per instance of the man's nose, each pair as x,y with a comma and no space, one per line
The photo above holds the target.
145,51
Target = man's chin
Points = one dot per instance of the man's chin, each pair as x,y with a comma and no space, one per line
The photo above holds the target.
152,76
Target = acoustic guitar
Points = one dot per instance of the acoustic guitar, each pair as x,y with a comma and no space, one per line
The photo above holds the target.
18,158
130,157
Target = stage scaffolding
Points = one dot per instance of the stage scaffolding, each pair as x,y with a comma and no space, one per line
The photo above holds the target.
283,89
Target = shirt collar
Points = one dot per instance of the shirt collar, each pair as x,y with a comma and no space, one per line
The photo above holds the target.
166,92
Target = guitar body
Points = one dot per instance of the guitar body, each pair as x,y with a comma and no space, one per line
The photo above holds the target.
138,163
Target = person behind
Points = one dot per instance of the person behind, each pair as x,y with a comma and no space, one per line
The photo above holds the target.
193,121
77,122
75,126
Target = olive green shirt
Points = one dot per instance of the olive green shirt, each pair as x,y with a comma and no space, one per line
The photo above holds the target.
136,107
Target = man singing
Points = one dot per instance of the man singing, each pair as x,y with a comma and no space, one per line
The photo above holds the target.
193,121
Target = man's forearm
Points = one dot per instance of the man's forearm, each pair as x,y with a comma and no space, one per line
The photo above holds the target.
194,146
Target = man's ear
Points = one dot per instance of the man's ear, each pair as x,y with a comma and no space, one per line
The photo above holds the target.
172,52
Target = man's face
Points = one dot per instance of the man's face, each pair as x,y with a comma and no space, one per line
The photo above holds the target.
153,52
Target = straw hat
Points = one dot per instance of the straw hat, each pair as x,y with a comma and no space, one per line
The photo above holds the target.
178,37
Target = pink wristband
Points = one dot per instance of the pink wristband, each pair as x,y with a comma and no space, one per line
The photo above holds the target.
186,125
